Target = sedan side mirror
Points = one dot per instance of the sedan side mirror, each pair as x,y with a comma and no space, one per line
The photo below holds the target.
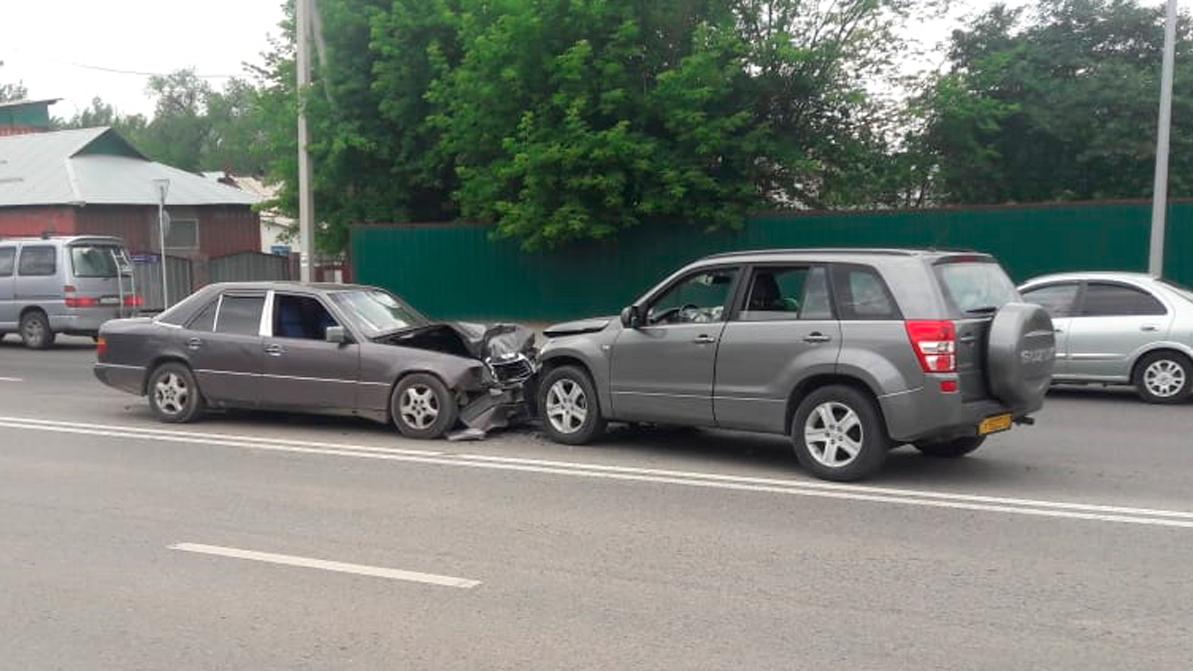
631,318
336,334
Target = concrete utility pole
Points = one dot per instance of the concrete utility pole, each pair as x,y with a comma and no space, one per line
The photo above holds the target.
306,201
163,189
1155,264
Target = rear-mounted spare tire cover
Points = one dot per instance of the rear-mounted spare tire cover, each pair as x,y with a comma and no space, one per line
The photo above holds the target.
1020,355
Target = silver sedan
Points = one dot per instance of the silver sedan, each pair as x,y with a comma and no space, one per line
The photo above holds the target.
1120,328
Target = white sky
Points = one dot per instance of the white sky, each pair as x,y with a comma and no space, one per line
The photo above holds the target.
40,39
43,42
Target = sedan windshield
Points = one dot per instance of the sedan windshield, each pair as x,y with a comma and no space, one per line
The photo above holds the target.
376,312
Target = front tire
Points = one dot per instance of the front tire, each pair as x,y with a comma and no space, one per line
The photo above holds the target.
569,407
35,330
422,407
839,435
1164,378
950,449
174,396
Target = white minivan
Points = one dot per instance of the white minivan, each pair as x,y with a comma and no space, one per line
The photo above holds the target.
72,285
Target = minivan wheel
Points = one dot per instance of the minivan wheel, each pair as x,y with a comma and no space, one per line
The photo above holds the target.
422,407
1164,377
569,406
35,330
838,434
949,449
174,395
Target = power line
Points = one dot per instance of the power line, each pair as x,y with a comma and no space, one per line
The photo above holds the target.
141,73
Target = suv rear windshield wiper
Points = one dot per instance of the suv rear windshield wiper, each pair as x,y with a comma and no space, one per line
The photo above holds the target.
983,310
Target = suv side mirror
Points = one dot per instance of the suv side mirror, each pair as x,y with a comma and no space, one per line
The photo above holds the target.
336,334
631,318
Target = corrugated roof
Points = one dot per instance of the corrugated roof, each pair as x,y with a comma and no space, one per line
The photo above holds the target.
27,103
74,167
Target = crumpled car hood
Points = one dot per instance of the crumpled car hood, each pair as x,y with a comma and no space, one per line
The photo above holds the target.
577,327
496,341
476,341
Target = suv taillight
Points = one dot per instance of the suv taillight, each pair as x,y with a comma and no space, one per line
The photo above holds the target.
935,344
73,301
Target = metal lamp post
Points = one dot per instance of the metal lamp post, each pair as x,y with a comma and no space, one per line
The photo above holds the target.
1160,187
163,189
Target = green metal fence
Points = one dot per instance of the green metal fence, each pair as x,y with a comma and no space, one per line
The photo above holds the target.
459,271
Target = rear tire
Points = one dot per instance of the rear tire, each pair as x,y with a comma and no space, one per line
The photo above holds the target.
950,449
838,434
174,395
569,407
35,330
1164,378
422,407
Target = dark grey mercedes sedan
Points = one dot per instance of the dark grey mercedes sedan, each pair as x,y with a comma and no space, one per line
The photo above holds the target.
319,348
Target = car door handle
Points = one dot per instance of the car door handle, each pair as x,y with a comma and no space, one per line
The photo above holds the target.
704,339
1149,328
194,344
968,339
1058,330
275,350
816,337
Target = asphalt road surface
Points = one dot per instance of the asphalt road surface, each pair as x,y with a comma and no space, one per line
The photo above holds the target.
265,541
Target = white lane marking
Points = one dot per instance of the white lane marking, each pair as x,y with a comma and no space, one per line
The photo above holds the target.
915,493
325,565
1139,516
183,435
11,379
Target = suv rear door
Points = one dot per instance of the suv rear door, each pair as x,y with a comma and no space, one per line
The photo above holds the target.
974,287
782,331
100,270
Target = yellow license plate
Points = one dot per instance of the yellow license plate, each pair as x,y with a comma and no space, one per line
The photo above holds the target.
995,424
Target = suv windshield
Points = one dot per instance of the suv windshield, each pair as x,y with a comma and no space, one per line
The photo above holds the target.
974,287
376,312
97,260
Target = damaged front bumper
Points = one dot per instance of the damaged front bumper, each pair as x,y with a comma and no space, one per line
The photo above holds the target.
508,397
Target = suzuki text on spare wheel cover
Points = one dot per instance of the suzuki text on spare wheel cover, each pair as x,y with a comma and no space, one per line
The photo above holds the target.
849,352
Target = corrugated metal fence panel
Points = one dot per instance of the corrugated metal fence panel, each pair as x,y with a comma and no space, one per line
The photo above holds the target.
458,271
147,272
249,267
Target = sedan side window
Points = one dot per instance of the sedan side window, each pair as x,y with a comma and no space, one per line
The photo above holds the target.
240,315
205,320
1058,300
696,299
300,317
1116,300
778,294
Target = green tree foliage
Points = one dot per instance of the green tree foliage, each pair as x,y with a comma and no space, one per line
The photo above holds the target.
194,125
565,120
1056,103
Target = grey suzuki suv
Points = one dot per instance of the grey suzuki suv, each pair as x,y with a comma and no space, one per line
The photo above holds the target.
850,352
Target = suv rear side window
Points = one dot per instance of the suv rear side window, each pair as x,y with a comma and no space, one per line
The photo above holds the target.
778,294
1116,300
7,256
975,286
240,315
862,295
1058,300
38,262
